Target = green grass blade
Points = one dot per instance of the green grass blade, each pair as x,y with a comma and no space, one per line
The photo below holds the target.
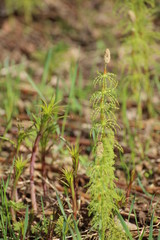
131,208
6,209
124,226
157,82
25,223
73,75
46,67
57,90
63,230
65,217
150,207
159,234
75,224
142,234
35,88
77,230
151,228
135,216
4,230
143,189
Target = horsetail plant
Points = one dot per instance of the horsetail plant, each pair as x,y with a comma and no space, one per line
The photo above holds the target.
139,40
101,186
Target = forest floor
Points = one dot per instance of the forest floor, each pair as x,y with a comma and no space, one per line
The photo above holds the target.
78,34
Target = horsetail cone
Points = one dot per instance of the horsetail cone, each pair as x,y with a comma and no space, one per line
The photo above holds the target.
107,58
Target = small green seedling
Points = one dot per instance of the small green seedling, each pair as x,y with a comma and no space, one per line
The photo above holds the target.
43,125
71,177
62,227
20,164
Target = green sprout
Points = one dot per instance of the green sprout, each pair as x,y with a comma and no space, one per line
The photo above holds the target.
20,164
44,124
71,176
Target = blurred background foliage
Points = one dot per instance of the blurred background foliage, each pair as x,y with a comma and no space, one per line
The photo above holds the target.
24,7
46,38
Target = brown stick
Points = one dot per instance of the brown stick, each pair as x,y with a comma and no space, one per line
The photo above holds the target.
44,172
75,199
32,163
130,185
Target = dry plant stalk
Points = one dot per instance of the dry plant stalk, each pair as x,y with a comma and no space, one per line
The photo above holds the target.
32,163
